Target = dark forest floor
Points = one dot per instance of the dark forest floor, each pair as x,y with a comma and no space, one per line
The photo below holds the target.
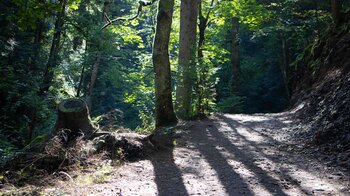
223,155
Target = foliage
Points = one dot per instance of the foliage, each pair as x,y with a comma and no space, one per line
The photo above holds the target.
124,86
233,104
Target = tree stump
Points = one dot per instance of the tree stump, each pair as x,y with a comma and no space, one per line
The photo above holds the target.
73,115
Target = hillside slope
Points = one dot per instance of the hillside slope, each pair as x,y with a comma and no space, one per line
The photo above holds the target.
321,92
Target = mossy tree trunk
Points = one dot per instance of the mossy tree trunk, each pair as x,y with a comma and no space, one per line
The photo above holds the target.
164,113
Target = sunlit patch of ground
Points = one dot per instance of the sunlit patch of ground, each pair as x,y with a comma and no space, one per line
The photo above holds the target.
227,155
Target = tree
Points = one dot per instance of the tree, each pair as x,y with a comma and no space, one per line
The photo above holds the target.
164,112
235,55
55,47
96,65
187,57
336,6
285,63
202,84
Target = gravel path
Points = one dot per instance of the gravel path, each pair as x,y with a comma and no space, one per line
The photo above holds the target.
224,155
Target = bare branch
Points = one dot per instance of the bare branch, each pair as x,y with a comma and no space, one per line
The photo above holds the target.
139,9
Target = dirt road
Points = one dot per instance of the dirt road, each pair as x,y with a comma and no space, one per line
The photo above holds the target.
224,155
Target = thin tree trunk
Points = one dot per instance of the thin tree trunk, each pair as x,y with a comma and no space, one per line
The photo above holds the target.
285,64
77,41
336,5
54,51
81,79
317,19
93,78
39,33
199,86
164,112
82,12
235,55
96,65
31,124
187,57
203,24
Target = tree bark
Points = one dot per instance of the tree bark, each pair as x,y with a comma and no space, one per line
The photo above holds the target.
93,78
201,80
38,37
164,112
54,51
73,115
285,64
235,55
336,5
82,74
96,65
187,57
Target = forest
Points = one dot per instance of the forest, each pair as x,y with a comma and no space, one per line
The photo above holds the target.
91,86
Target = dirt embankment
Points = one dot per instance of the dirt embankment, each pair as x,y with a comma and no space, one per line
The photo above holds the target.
321,92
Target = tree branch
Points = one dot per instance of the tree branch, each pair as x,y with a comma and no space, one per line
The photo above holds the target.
211,8
139,9
76,26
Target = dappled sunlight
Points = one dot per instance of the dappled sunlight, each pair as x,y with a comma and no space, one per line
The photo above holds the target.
174,97
313,183
243,163
246,118
197,174
263,164
221,157
249,177
142,170
254,137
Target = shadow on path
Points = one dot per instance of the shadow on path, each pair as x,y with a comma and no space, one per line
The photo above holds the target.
168,177
225,149
259,148
232,182
220,163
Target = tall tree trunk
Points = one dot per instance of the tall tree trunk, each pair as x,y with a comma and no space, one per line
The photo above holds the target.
38,37
82,12
81,78
317,19
164,113
82,74
78,41
203,24
336,6
235,55
285,64
94,72
96,65
187,57
54,51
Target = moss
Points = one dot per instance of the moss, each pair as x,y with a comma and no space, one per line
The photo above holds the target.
72,105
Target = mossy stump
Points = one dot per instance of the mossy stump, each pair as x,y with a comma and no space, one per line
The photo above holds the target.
73,115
